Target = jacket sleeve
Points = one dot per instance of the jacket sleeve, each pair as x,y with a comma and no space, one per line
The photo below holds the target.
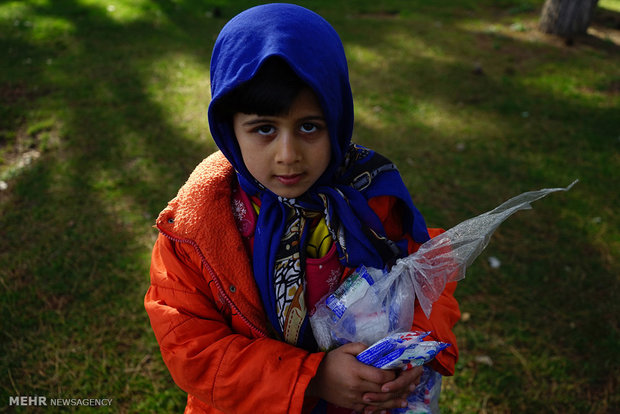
445,313
233,372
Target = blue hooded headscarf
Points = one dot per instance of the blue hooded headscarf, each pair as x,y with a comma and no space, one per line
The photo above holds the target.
313,50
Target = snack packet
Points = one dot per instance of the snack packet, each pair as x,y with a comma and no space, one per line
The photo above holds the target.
389,344
411,356
351,290
362,309
404,351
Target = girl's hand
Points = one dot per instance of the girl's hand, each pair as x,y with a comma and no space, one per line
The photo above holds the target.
342,380
395,391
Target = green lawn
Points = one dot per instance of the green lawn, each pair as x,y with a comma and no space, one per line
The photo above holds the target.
103,116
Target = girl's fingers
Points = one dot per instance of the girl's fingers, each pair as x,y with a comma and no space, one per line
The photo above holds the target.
404,382
378,401
376,375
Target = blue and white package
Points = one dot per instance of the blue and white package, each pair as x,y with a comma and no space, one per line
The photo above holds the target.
412,356
351,290
363,309
404,351
425,398
389,344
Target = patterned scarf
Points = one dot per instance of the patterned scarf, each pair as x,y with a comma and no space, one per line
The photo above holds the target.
289,277
279,253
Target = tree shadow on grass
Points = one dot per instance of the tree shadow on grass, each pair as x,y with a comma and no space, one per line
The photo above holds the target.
76,222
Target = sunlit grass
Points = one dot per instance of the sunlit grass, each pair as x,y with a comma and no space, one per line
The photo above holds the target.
187,79
610,4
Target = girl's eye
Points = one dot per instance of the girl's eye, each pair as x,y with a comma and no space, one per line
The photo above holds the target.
265,130
308,127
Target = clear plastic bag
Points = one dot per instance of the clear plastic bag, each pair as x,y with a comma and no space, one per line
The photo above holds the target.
373,303
445,258
367,307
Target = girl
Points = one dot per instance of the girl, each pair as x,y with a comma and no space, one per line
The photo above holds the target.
274,221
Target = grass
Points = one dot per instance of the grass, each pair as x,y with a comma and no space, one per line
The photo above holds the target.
103,116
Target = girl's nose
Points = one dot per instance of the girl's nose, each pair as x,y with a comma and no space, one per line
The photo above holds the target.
287,151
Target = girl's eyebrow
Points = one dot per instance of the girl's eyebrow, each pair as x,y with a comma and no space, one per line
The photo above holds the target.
313,118
263,119
257,121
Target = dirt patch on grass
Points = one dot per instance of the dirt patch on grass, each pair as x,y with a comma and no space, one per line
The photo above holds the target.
19,149
23,138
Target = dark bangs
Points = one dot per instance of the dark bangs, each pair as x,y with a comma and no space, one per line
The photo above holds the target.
270,92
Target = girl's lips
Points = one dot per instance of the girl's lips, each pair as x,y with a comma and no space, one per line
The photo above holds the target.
289,179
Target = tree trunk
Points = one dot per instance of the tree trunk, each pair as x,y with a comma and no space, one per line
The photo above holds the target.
567,17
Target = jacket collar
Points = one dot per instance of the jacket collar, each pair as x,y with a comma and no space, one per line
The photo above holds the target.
201,215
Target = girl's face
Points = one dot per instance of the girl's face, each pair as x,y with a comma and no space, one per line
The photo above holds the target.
286,153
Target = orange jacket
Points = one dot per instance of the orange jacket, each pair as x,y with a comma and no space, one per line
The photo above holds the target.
207,315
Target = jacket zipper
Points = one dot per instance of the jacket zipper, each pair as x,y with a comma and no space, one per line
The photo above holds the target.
217,282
